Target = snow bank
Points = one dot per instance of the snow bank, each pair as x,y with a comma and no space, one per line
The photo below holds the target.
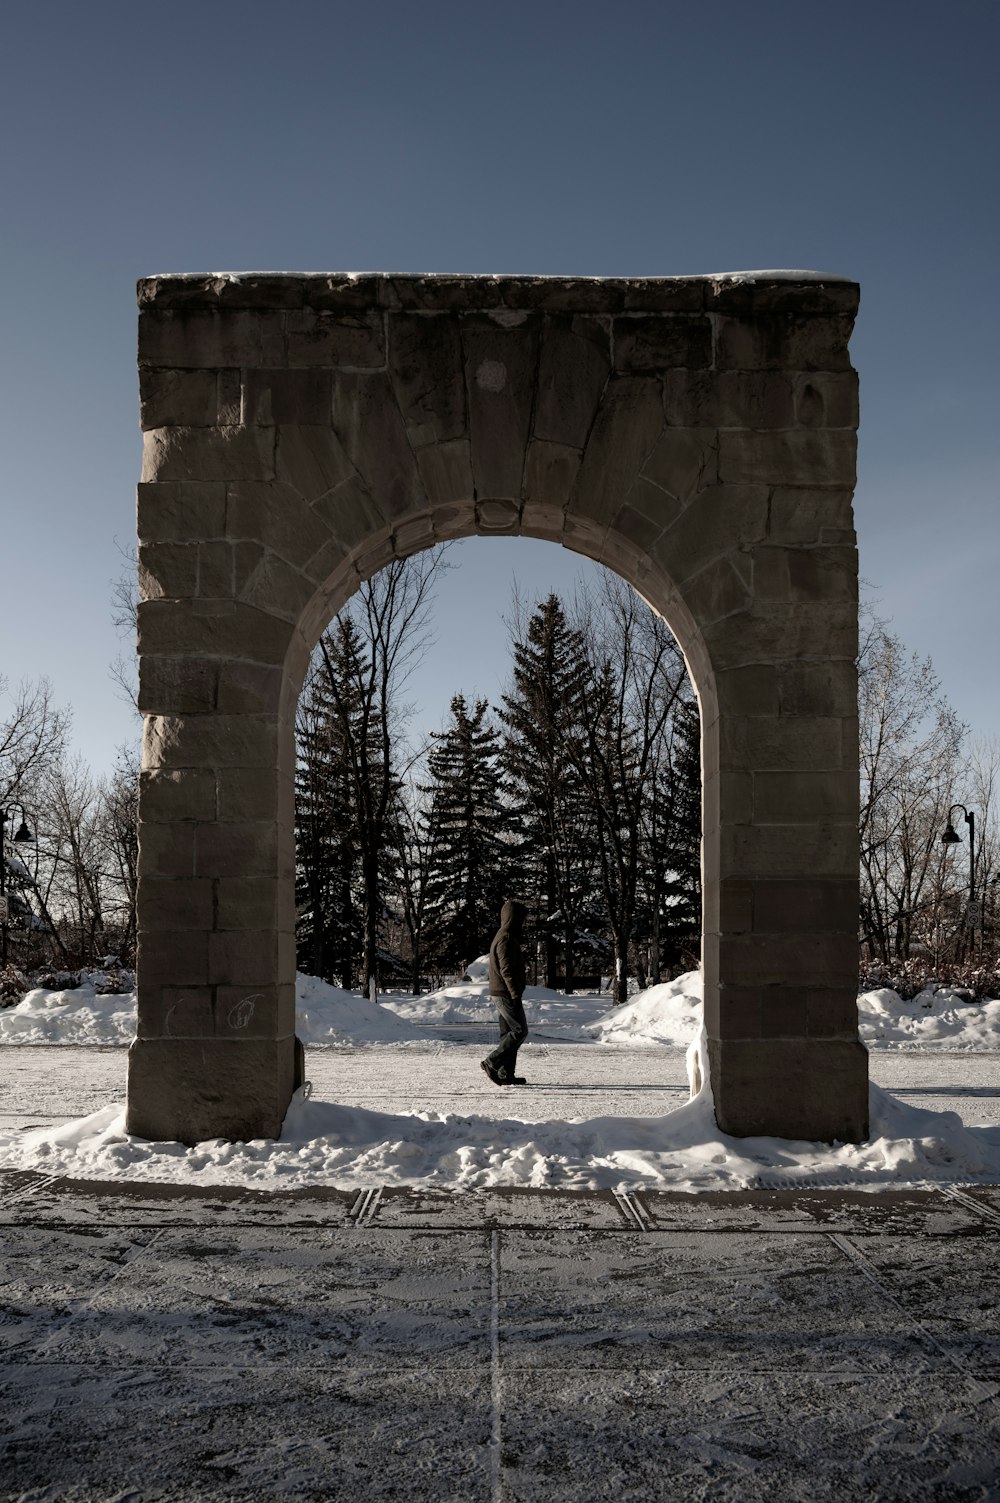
666,1014
322,1143
77,1016
938,1016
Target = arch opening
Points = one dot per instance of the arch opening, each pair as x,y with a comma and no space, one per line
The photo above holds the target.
696,435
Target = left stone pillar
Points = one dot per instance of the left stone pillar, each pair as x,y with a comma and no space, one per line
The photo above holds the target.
214,1054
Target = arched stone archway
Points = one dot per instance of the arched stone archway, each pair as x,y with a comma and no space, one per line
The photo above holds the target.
696,434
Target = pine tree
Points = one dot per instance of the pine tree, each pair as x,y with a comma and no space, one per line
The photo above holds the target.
472,856
542,714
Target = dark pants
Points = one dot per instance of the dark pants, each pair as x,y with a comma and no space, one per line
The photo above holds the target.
513,1032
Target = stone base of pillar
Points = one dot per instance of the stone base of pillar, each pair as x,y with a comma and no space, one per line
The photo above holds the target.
814,1089
189,1090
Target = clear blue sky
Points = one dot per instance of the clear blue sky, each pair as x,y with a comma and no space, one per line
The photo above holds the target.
550,136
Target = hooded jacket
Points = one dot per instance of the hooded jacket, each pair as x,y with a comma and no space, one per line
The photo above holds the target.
506,960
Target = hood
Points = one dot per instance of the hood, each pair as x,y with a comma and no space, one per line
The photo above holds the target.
512,914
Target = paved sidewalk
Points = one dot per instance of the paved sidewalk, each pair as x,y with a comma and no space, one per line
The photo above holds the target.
525,1345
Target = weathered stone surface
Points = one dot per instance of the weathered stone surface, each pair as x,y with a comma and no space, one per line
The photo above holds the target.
182,399
446,470
370,427
231,453
659,342
287,396
823,1095
323,339
306,430
181,512
783,341
425,363
796,457
210,337
573,371
627,426
188,1090
311,460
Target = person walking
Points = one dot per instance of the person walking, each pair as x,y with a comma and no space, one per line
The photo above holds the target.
506,993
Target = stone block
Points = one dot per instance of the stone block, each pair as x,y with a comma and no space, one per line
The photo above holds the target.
255,1010
205,454
370,427
246,793
500,372
177,685
176,1012
717,590
246,903
247,849
806,906
739,1012
805,574
311,460
205,338
735,798
805,515
240,631
278,588
782,1012
248,688
787,964
331,338
573,368
719,522
171,957
242,957
181,512
351,516
178,399
684,461
217,570
550,473
804,743
748,294
171,795
832,1012
446,470
428,377
783,632
295,397
826,400
167,571
827,849
791,797
174,903
188,1091
814,1090
211,740
277,516
167,850
750,690
665,294
817,688
657,342
729,399
626,428
736,906
797,457
784,341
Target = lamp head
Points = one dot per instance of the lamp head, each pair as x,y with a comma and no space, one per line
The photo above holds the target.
23,835
951,836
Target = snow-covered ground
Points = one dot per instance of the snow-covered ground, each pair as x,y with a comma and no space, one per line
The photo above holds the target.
327,1143
666,1014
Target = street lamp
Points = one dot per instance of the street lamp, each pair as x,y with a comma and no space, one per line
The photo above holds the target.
22,836
952,837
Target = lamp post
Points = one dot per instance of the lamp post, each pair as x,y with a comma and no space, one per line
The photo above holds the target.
22,836
952,837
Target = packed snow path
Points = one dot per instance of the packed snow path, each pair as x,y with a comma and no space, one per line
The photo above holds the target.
192,1345
41,1085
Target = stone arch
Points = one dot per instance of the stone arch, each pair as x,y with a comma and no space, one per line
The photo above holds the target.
697,435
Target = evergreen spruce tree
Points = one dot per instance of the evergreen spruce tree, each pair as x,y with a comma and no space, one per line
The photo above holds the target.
544,731
471,867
